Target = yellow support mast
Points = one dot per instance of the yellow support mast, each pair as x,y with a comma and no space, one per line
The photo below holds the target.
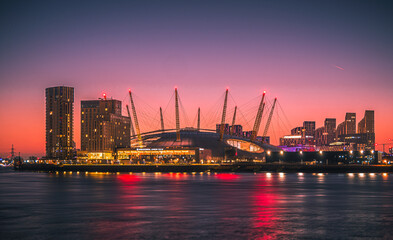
224,111
138,132
233,121
258,118
177,115
268,121
199,119
131,125
162,121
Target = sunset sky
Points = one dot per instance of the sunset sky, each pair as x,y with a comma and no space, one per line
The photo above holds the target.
320,58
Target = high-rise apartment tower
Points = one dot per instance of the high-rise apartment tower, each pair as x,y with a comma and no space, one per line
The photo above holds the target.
59,122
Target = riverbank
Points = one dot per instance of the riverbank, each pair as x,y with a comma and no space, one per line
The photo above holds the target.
238,167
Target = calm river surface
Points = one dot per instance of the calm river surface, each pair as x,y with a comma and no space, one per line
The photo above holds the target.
75,206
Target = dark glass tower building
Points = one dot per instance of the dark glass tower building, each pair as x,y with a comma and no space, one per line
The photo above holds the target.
59,122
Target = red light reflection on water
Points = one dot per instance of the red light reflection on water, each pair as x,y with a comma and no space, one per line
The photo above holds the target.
265,204
127,178
227,176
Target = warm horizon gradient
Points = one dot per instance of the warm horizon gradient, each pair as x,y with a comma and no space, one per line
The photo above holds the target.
320,58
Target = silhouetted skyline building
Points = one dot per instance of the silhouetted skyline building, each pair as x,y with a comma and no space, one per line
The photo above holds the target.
226,128
341,129
358,141
348,126
297,131
366,125
320,136
237,130
330,130
300,135
350,123
59,122
309,127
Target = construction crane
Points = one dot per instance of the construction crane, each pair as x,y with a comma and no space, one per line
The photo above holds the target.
177,116
383,144
199,120
138,131
269,121
224,111
258,118
131,125
233,121
162,121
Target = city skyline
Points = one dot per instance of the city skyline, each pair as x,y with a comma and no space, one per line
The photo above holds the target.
318,66
121,110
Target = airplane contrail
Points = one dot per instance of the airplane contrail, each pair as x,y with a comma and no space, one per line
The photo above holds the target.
339,67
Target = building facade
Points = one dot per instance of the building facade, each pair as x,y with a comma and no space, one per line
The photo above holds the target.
226,128
309,128
300,136
366,125
59,123
320,136
237,130
103,128
358,141
297,131
350,123
341,129
330,130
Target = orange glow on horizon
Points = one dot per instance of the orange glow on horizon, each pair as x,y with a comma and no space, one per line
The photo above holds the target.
19,132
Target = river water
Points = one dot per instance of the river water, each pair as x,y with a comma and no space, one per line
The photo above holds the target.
37,205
